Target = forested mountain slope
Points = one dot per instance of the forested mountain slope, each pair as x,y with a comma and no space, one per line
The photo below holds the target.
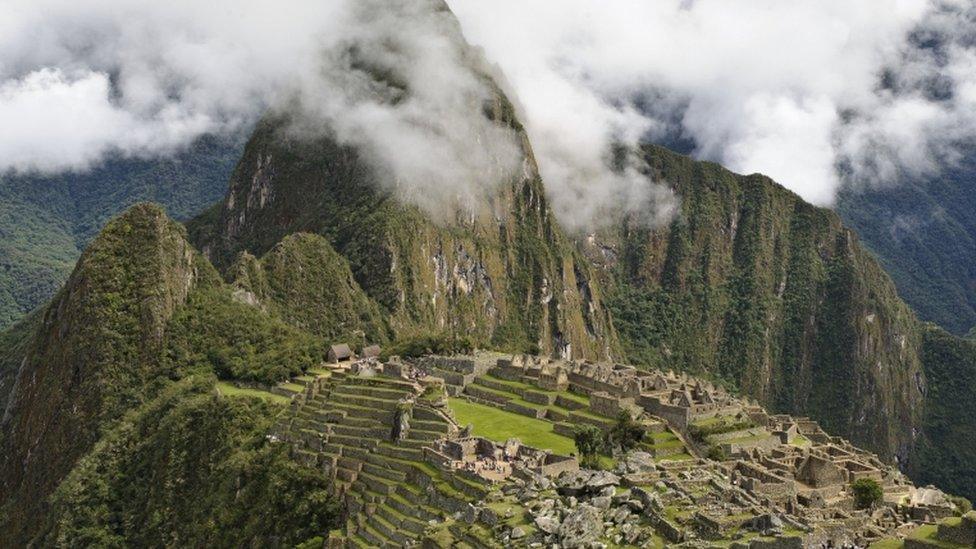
505,276
113,432
753,286
45,221
924,233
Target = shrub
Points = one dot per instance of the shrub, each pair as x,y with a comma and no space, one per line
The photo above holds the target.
439,344
962,504
717,453
589,444
867,493
626,433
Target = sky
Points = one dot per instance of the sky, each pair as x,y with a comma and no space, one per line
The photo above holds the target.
814,94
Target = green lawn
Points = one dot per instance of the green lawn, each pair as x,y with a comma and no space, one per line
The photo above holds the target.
889,543
499,425
232,390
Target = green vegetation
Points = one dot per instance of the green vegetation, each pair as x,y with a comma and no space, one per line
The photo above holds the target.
114,358
701,430
717,453
194,469
499,425
769,296
420,345
867,493
46,220
625,434
944,454
888,543
963,505
448,278
214,332
924,233
589,444
310,286
228,389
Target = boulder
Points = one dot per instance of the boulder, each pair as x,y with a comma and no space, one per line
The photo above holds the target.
547,524
582,527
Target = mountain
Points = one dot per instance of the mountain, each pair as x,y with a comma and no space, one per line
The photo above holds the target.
753,286
924,233
113,403
45,221
131,415
505,277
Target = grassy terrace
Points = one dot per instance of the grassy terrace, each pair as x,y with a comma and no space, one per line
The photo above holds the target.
926,534
516,388
230,390
582,399
500,425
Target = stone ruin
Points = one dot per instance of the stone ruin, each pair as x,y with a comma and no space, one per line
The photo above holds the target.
766,480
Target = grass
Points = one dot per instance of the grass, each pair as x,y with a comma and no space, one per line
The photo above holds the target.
677,457
231,390
889,543
926,534
800,440
292,387
499,425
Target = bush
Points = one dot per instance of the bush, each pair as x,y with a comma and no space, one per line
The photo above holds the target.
589,443
867,493
626,434
440,344
962,504
717,453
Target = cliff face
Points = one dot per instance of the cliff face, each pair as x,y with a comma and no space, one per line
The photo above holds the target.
756,287
96,348
505,275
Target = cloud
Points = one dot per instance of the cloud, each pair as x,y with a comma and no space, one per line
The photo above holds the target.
814,94
80,80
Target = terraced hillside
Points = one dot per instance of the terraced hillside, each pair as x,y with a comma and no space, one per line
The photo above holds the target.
344,424
548,417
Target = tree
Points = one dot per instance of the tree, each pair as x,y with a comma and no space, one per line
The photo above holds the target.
867,493
626,433
589,444
717,453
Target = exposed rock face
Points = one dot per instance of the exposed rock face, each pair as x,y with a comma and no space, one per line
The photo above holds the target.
753,285
96,347
504,275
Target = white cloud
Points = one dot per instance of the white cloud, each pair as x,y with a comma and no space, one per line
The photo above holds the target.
83,79
789,88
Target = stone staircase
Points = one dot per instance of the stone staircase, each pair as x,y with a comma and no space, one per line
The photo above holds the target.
343,424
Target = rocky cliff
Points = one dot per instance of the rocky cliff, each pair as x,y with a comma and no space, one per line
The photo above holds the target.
776,298
755,287
504,275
